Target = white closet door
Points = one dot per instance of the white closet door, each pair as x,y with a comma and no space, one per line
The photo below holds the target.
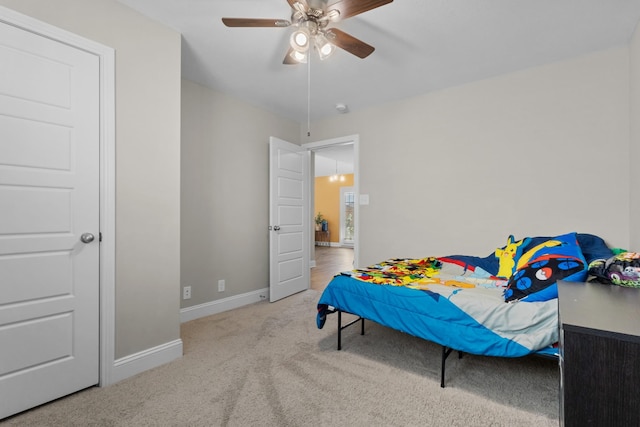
49,199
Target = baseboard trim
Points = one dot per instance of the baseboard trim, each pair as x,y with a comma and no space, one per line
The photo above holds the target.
333,245
225,304
136,363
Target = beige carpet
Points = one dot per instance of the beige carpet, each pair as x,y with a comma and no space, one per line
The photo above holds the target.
268,365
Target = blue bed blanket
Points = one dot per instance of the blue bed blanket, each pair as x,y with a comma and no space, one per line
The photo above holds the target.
465,303
472,320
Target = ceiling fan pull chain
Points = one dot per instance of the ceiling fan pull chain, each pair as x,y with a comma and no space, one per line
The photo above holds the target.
309,95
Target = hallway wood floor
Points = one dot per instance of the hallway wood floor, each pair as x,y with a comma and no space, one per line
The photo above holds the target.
329,262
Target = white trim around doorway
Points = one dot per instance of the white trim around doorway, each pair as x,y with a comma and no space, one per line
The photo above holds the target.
344,140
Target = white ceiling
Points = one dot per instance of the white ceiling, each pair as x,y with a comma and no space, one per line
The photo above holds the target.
421,46
334,160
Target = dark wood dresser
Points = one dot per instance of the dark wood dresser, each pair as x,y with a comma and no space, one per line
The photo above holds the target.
599,355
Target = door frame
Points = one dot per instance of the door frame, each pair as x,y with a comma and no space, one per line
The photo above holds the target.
343,140
106,278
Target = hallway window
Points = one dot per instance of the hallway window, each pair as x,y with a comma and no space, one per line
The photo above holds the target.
347,212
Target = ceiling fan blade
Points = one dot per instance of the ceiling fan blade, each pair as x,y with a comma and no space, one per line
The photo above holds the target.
349,43
250,22
349,8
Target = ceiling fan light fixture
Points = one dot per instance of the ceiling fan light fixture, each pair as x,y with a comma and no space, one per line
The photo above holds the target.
333,15
311,18
299,7
325,48
300,40
297,56
297,17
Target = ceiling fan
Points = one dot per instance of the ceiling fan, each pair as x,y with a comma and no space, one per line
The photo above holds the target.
312,20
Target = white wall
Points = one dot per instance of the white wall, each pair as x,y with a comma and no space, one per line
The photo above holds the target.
147,162
225,192
634,158
537,152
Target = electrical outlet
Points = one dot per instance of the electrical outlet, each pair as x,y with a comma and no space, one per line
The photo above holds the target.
221,285
186,292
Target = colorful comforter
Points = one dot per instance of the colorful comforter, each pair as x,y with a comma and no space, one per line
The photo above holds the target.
449,306
420,273
461,303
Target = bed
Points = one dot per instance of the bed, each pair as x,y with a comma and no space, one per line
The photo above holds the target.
503,305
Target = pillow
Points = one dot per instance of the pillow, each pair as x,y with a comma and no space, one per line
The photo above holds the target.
593,247
509,255
539,268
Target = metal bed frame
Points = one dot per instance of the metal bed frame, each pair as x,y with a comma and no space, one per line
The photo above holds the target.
446,351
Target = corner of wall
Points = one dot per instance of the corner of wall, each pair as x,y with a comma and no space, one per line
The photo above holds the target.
150,358
634,138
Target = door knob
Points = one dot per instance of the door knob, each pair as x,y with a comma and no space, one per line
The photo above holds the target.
277,227
87,238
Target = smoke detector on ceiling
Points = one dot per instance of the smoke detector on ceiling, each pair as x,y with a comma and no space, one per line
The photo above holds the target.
342,108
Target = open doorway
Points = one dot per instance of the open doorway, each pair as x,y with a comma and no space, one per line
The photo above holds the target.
329,262
333,190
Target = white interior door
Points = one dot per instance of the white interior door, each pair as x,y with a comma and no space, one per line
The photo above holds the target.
288,219
49,198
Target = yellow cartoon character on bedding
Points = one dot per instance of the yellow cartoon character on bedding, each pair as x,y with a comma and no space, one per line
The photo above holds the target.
526,257
507,257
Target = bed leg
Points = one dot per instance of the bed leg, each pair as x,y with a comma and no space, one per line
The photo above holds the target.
340,327
445,353
339,330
